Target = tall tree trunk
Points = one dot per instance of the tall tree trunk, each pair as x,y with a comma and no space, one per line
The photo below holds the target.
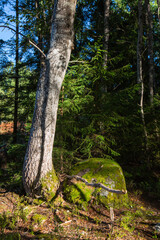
106,29
149,22
106,4
38,158
17,75
158,3
139,66
139,44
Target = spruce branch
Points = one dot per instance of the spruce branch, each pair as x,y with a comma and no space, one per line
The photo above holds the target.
31,42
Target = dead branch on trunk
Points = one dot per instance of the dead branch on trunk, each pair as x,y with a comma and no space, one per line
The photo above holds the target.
31,42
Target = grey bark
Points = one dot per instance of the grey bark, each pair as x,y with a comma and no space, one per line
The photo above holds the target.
139,43
38,158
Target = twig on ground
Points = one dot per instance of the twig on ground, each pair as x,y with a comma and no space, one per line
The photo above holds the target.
65,223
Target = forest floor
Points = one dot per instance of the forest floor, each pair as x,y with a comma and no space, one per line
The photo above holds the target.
25,218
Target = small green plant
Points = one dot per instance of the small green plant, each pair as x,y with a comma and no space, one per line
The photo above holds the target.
31,228
139,213
11,236
127,221
155,237
4,221
118,233
39,218
8,220
13,221
24,212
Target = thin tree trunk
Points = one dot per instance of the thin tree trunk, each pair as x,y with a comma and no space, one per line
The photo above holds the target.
139,44
149,22
106,29
38,158
158,3
140,67
17,75
106,4
142,115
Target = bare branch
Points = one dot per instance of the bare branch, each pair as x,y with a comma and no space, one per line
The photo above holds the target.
65,223
77,61
97,185
32,43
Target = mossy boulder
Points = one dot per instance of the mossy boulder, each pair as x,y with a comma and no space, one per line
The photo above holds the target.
105,171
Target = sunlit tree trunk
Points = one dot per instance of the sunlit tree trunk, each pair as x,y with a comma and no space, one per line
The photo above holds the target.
38,158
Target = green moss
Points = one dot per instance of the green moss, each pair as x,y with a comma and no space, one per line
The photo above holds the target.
57,202
78,193
50,185
39,218
104,171
25,212
11,236
47,237
38,201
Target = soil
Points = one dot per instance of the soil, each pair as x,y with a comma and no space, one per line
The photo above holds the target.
22,218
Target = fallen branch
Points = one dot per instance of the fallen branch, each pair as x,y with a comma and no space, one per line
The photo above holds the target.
97,185
65,223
